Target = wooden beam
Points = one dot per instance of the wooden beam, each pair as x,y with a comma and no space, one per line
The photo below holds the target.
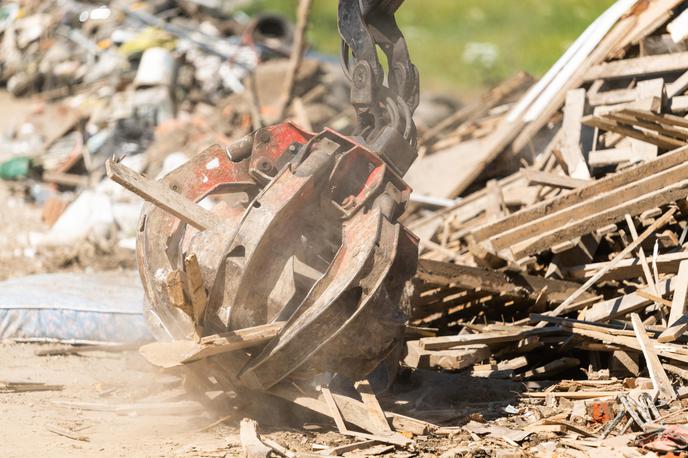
613,125
162,196
619,307
574,109
659,378
638,66
446,342
176,353
448,360
572,198
669,119
513,284
535,177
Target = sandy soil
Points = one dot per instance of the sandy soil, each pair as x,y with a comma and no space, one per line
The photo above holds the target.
104,379
108,380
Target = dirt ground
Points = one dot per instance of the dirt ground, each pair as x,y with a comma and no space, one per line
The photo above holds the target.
94,382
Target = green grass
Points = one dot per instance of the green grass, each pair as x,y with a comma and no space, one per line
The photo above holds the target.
526,35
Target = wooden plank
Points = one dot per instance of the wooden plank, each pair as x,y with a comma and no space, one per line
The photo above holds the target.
624,363
513,284
162,196
372,405
334,410
625,252
605,123
658,125
612,97
586,217
171,354
654,298
679,104
588,224
614,156
621,306
678,304
535,177
494,209
669,119
446,342
574,109
664,350
628,268
678,27
659,378
337,409
638,66
574,197
678,320
342,449
574,394
448,360
676,330
353,411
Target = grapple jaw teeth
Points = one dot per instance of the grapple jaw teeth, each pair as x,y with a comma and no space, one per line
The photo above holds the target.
304,231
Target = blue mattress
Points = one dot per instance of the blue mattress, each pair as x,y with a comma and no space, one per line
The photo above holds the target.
74,308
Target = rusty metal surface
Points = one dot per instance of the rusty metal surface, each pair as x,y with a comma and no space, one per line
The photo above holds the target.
315,243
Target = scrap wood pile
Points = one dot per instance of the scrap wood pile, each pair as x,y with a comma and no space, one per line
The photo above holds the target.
574,266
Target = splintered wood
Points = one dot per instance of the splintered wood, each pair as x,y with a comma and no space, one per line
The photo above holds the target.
565,256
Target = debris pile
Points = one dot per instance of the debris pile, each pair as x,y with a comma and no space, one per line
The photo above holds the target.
151,83
552,219
569,274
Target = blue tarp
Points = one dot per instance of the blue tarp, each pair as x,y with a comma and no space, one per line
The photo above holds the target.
74,307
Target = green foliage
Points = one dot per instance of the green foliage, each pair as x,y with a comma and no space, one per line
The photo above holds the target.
462,45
